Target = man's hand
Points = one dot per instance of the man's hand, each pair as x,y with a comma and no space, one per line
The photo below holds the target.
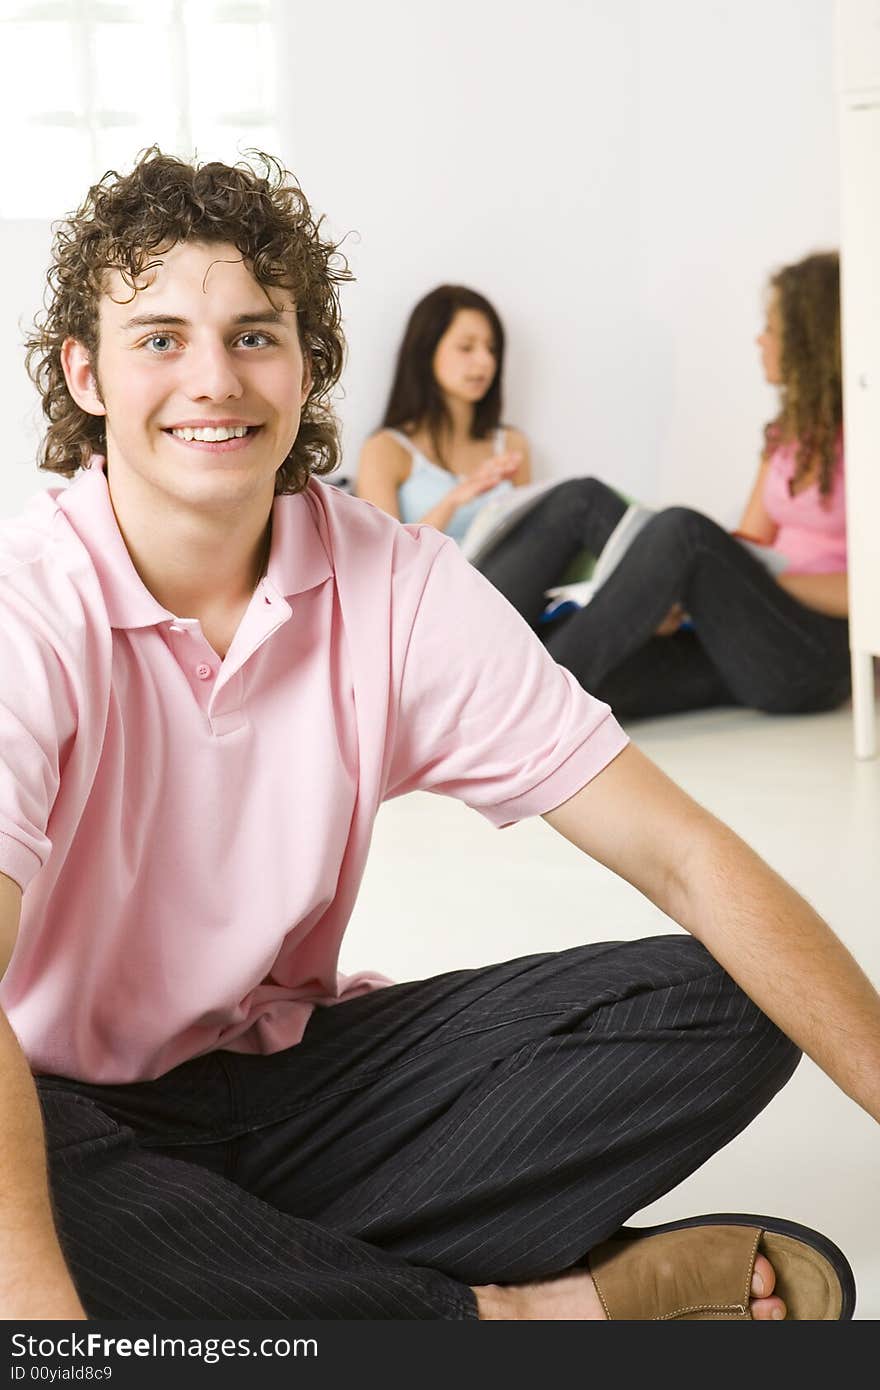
34,1282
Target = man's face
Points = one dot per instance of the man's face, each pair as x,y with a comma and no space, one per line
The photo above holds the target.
199,347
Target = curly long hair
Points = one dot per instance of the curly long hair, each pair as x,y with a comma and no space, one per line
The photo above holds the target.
415,399
811,408
126,221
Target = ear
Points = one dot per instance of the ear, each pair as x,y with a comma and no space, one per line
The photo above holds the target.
80,377
306,380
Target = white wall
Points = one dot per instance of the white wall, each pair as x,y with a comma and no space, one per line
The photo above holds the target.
491,144
617,175
24,257
738,174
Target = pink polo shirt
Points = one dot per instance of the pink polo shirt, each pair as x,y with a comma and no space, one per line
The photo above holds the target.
190,833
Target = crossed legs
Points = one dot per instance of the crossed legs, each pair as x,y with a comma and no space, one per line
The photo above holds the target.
483,1127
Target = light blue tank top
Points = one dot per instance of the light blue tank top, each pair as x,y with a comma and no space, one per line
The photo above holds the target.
428,484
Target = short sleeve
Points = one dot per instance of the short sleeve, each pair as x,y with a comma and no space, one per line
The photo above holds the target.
35,721
483,712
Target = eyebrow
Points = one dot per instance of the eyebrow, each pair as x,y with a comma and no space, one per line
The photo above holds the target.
175,321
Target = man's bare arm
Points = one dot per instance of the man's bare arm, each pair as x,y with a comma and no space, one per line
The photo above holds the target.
34,1281
638,823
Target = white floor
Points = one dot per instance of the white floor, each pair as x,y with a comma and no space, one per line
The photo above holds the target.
443,889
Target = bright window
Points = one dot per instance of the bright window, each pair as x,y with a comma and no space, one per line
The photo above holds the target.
89,83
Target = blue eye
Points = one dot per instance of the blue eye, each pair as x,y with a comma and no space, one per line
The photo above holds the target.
160,338
266,339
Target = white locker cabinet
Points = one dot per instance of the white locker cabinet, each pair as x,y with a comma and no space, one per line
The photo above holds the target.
858,45
858,68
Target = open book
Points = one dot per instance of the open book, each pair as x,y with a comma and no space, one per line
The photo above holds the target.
499,515
567,596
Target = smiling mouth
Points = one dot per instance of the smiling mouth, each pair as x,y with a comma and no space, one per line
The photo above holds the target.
221,439
210,434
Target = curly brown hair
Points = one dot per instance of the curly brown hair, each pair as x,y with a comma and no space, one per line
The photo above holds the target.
126,220
811,409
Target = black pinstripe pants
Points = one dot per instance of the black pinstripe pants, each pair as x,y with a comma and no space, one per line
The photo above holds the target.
484,1126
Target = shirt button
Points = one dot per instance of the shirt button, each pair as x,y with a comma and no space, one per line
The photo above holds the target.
203,672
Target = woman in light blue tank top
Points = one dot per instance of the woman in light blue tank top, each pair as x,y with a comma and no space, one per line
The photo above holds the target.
442,456
429,484
452,455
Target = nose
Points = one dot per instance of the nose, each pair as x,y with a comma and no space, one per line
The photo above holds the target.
211,373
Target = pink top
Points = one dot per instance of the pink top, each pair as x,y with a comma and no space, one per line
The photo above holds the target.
812,529
190,833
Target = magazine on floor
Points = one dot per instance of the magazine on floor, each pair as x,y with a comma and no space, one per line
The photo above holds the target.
499,515
565,597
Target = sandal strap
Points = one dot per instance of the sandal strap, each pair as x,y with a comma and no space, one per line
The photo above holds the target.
697,1272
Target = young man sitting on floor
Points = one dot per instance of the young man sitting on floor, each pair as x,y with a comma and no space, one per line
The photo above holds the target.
213,669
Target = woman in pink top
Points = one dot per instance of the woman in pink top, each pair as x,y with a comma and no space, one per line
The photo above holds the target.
687,616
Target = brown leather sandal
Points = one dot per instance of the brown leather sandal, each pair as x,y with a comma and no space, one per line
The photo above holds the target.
702,1269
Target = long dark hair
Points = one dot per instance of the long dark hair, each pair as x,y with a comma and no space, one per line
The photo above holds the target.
415,399
811,406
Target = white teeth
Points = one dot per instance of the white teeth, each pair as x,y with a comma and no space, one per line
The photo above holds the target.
212,436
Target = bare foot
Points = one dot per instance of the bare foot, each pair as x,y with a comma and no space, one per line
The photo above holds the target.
573,1297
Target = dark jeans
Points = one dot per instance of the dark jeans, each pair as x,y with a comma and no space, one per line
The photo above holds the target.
482,1126
753,643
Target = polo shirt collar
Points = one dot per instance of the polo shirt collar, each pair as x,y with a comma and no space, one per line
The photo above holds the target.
297,558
